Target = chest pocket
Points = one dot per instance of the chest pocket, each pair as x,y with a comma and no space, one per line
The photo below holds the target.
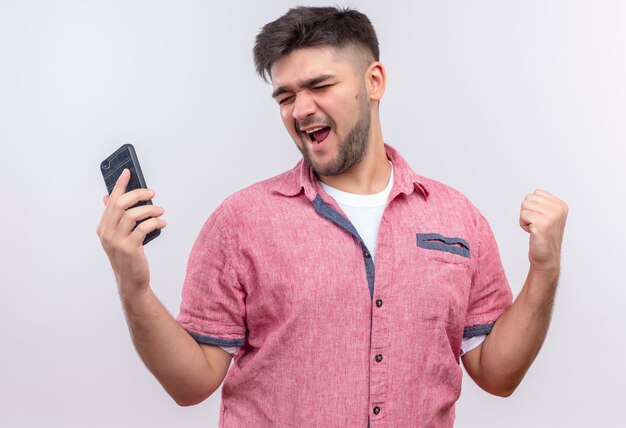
437,242
445,267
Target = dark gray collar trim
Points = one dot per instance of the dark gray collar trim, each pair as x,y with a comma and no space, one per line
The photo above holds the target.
331,214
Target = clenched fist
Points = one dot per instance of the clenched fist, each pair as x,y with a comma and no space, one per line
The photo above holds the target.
543,215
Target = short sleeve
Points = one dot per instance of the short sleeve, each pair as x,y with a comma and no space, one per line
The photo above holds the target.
490,294
213,299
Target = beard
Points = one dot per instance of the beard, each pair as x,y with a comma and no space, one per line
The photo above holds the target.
351,150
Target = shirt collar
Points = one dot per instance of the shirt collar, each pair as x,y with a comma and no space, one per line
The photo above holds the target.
302,178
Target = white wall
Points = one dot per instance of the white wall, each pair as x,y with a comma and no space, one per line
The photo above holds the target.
494,98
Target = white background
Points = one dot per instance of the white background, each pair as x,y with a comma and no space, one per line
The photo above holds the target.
495,98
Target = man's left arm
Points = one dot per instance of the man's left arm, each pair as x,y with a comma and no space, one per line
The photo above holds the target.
501,361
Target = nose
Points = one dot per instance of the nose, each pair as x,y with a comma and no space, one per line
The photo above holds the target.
303,106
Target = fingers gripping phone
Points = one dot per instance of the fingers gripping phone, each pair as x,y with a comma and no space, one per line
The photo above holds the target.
112,167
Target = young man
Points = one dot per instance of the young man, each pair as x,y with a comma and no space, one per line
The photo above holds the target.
349,287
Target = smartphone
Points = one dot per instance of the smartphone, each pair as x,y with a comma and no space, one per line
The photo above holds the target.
112,167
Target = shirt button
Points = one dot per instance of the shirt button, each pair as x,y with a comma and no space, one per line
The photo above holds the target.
379,358
379,303
376,410
367,254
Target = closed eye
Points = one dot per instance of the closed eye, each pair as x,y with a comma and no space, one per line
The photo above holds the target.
285,100
322,87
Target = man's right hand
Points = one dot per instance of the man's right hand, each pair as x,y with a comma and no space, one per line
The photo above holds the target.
122,241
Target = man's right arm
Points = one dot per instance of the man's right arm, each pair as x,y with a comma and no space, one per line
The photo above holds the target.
189,372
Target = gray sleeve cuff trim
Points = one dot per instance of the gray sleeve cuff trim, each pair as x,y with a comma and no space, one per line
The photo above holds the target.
207,340
477,330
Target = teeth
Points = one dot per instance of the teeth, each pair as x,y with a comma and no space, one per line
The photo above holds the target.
315,130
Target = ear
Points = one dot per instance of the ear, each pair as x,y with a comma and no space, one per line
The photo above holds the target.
375,80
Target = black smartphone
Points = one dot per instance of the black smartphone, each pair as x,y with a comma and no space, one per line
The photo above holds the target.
112,167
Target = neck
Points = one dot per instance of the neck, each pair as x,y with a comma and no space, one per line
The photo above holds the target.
370,175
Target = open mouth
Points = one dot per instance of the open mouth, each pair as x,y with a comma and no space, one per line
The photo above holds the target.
317,135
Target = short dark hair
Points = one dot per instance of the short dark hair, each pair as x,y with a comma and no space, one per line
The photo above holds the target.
304,27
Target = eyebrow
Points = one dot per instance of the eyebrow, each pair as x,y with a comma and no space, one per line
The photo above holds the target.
302,84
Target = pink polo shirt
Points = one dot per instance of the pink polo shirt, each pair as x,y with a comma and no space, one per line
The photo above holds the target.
328,338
